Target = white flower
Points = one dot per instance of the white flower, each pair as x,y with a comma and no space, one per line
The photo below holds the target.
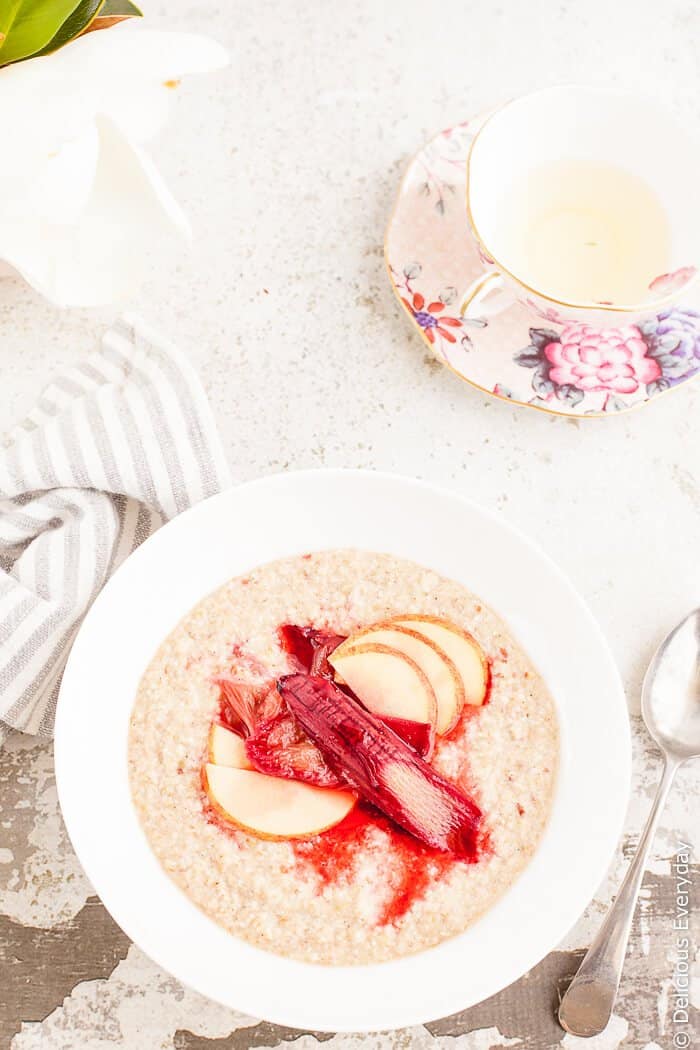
82,207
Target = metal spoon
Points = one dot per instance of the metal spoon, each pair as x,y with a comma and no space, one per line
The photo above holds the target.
671,712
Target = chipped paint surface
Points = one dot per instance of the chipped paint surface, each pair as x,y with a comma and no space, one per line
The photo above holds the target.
613,1036
71,978
136,1006
41,882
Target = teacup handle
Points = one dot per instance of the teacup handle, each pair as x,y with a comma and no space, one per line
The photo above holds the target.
474,304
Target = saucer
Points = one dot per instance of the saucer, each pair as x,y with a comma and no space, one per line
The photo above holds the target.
521,354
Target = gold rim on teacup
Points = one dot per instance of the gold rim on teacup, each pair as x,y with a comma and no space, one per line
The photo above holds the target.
481,288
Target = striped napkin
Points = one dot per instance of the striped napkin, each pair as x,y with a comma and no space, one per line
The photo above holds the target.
114,447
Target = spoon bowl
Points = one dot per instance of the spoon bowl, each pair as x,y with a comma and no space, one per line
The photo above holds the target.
671,691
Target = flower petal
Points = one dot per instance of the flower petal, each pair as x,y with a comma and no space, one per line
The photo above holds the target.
584,370
619,354
155,61
133,51
120,72
608,372
570,352
647,370
140,110
635,346
554,352
560,376
129,217
588,383
61,186
591,355
623,385
418,301
36,131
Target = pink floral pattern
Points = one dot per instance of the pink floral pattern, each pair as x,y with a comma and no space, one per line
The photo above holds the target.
530,352
668,283
580,362
609,359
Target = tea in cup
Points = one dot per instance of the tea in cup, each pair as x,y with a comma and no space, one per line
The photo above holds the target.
582,202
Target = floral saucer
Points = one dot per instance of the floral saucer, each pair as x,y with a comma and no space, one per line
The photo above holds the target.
521,354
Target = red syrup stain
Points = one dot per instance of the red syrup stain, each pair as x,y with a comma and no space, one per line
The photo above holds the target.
413,866
489,682
467,715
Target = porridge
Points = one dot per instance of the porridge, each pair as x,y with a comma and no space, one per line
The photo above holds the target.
319,827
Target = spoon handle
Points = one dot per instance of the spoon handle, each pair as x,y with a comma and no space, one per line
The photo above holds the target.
588,1004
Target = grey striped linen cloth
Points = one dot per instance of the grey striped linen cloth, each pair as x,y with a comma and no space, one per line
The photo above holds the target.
115,446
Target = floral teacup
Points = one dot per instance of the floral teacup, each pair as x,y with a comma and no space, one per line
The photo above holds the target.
594,127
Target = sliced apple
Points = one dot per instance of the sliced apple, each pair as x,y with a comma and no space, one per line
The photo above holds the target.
273,808
387,681
438,667
460,646
227,748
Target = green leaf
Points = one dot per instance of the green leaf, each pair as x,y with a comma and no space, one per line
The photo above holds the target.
112,12
29,25
541,336
530,357
74,24
121,9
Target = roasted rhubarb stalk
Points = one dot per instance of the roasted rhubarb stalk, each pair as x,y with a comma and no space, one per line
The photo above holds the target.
275,743
309,647
280,747
418,735
384,770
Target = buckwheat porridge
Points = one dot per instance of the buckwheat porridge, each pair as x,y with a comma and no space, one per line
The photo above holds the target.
316,862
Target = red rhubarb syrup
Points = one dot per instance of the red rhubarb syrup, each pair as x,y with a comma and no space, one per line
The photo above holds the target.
330,857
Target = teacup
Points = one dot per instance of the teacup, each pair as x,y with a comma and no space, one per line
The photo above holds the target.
583,205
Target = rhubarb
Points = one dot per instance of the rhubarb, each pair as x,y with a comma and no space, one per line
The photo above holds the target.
309,647
240,704
280,747
418,735
383,769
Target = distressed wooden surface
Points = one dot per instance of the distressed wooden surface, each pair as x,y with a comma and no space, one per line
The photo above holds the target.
288,164
71,979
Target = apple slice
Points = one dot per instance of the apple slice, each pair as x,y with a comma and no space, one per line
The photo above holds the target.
387,681
438,667
227,748
460,646
272,808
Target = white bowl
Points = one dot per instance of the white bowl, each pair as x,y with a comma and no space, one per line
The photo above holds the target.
290,514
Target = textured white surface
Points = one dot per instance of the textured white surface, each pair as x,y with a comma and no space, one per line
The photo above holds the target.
287,164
